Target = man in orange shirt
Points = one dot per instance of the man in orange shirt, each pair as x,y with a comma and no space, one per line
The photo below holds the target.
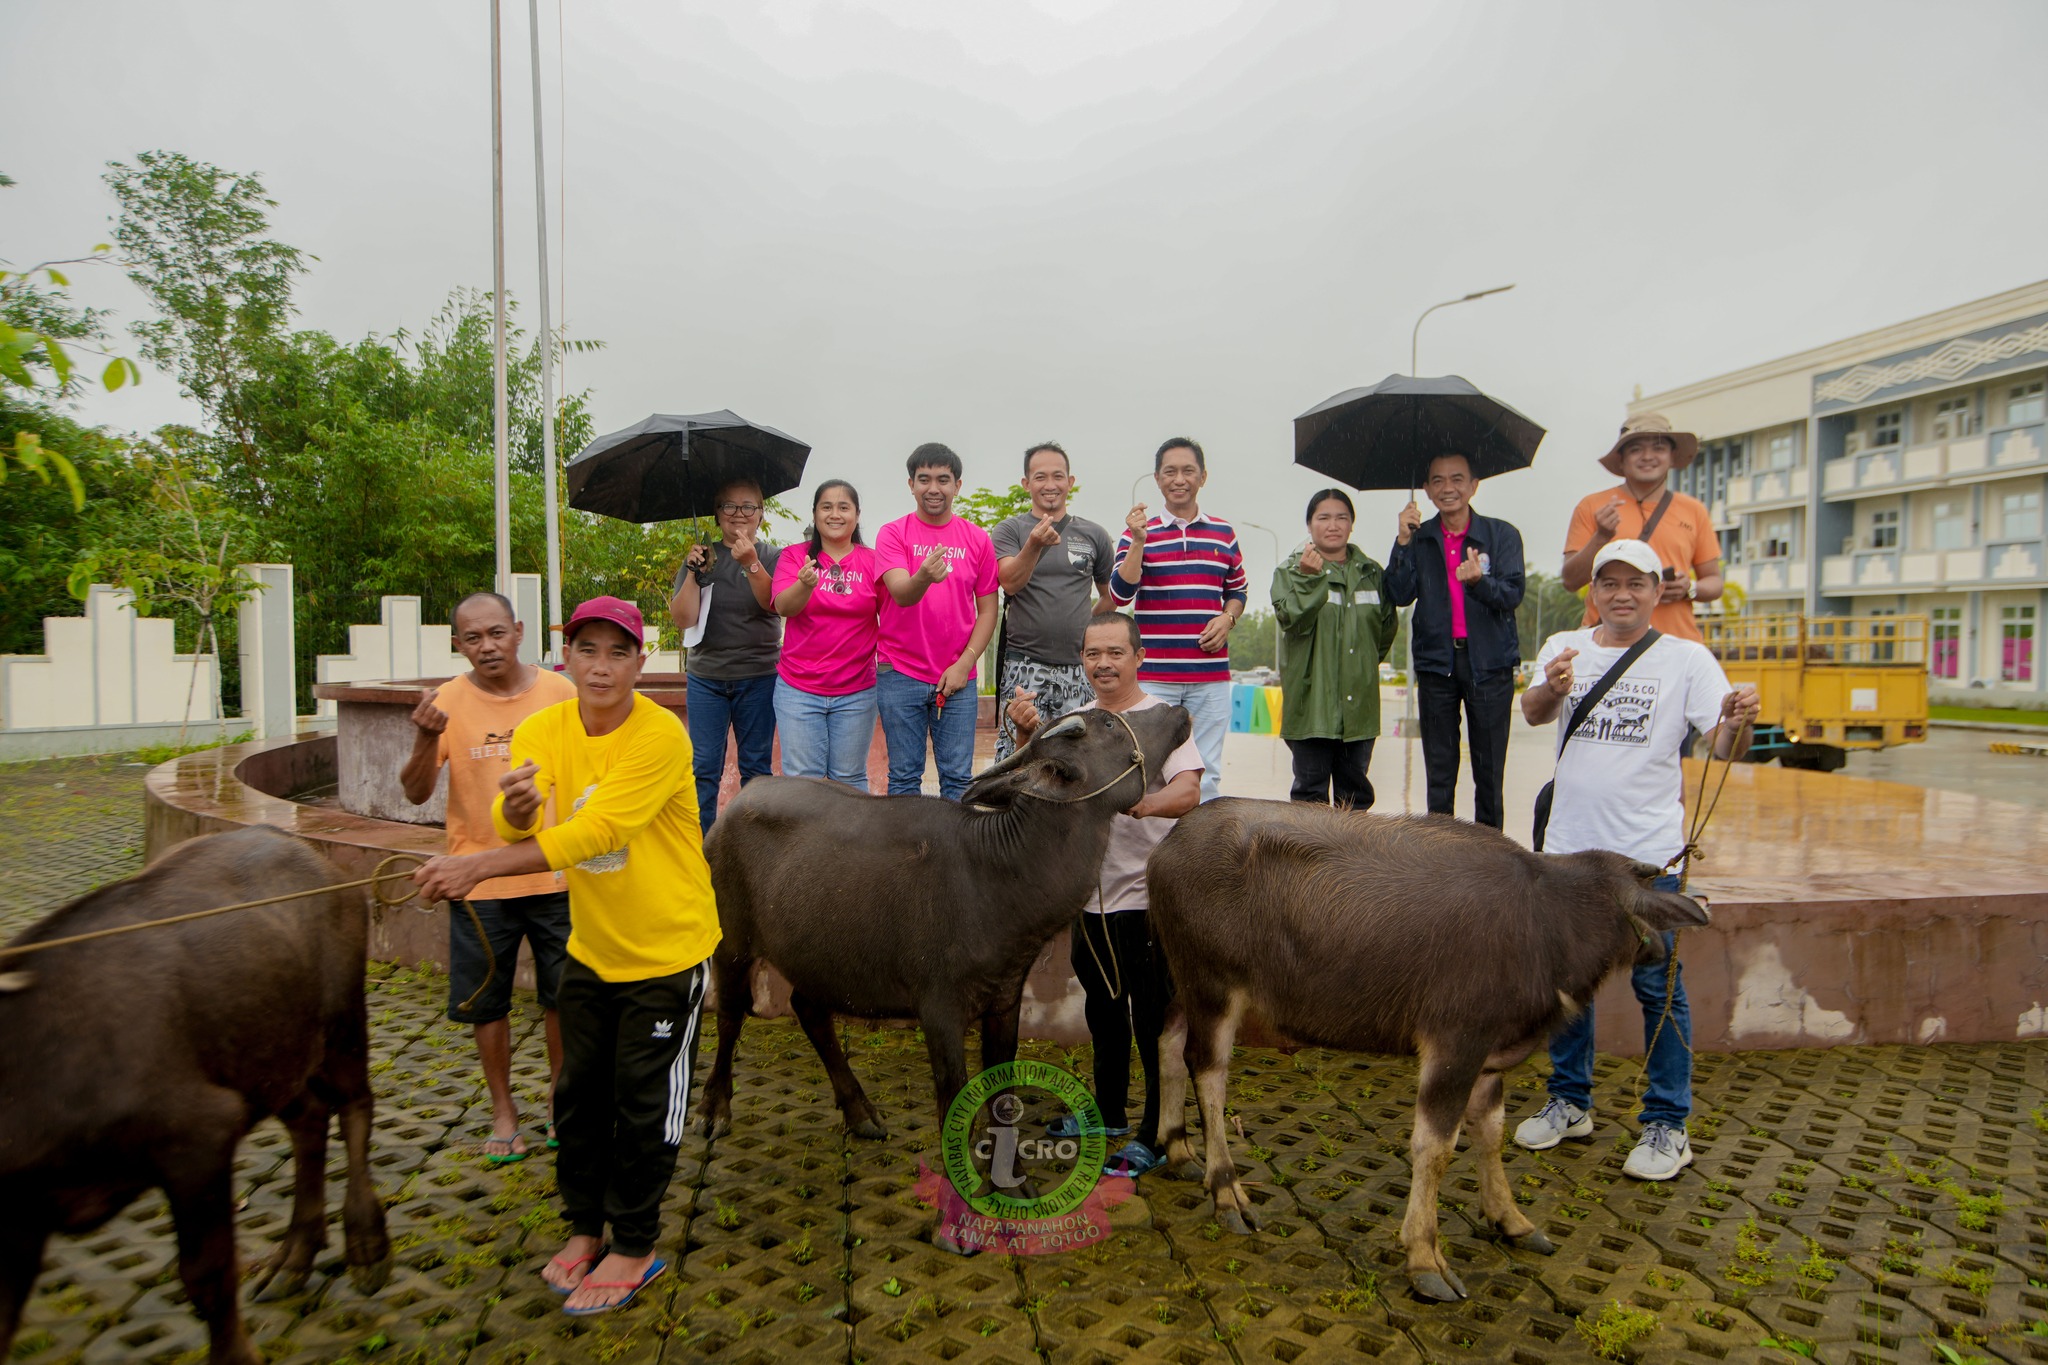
467,724
1678,527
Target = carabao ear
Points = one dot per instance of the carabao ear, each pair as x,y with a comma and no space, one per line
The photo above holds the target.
1662,910
1022,774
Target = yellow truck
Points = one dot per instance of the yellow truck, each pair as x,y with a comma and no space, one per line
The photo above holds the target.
1828,684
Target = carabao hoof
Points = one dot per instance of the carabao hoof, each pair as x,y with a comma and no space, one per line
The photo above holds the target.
276,1283
1444,1288
1243,1224
368,1279
870,1129
1535,1241
717,1125
1186,1170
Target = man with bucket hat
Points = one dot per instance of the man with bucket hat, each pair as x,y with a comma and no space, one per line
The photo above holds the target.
1676,526
642,922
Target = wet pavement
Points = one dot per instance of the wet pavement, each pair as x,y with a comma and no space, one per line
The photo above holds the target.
1850,1204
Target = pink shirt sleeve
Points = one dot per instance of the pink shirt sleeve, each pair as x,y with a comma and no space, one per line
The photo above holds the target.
889,550
786,566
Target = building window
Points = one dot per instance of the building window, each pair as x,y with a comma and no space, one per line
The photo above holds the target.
1947,626
2019,516
1951,525
1885,427
2024,403
1780,452
1954,417
2016,644
1884,529
1777,543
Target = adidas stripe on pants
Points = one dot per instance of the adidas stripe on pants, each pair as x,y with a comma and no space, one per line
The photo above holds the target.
628,1048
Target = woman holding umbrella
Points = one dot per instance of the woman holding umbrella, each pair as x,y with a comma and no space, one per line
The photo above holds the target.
1336,623
723,606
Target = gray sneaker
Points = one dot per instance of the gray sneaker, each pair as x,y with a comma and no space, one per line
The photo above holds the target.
1555,1122
1660,1153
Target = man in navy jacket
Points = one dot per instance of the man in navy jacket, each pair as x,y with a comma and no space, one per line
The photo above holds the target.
1464,572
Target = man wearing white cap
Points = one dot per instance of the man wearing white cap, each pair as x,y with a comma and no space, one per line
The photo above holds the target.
1633,694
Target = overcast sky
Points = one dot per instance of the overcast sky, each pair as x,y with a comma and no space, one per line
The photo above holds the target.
879,223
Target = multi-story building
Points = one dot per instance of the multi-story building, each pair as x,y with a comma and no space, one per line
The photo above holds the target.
1900,471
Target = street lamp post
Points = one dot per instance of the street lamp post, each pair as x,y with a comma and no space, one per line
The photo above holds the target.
1408,664
1415,335
1275,537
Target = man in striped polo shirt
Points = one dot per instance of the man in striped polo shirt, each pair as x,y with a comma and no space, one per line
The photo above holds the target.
1187,579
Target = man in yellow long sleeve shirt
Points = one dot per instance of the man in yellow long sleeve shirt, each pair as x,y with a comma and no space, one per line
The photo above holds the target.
642,923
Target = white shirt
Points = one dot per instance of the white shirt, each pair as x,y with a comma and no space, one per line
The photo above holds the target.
1131,838
1619,785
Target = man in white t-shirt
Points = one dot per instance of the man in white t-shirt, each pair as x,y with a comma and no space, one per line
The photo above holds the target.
1619,786
1123,978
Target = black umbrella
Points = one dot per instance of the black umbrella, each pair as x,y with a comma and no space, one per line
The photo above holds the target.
1386,435
669,468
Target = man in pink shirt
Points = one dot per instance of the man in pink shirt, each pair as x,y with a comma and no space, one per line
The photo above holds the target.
938,614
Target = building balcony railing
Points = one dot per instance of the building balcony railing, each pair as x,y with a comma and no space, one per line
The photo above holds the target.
1970,457
1770,577
1774,485
1876,570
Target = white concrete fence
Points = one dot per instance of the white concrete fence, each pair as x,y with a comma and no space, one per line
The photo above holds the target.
110,680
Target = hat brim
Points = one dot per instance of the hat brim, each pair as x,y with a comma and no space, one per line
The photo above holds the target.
1685,447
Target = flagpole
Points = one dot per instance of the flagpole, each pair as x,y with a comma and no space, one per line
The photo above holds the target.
547,363
499,434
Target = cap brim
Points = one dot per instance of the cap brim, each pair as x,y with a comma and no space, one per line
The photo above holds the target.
1685,448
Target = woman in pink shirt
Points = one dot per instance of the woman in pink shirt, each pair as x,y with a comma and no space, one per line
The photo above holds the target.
825,682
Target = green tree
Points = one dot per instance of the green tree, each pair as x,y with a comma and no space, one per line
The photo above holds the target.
987,506
1548,607
191,235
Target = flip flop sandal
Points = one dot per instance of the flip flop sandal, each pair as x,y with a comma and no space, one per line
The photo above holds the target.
633,1287
554,1143
570,1266
506,1157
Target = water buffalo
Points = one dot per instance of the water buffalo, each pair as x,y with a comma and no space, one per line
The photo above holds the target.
1372,933
140,1060
892,907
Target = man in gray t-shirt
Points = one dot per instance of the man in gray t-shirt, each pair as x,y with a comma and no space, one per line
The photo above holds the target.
1054,568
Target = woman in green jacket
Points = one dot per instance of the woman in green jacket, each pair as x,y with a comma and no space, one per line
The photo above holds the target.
1335,625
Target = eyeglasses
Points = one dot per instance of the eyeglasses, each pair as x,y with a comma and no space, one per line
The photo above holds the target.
745,509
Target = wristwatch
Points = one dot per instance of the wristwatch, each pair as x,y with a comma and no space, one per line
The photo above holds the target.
753,568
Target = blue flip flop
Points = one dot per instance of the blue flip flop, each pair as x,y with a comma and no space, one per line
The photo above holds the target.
1069,1126
634,1288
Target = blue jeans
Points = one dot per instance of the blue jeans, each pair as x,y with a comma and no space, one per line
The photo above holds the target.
825,736
746,707
909,718
1669,1099
1208,705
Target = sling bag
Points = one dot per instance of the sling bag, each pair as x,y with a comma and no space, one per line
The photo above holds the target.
1584,709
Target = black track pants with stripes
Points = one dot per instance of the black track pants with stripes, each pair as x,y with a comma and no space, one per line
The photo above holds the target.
628,1048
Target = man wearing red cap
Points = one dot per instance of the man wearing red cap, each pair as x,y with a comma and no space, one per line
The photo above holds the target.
616,767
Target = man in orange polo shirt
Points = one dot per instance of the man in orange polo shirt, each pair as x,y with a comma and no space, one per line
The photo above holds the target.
1678,527
466,725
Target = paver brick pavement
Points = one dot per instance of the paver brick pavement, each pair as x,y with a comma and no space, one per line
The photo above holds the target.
1853,1205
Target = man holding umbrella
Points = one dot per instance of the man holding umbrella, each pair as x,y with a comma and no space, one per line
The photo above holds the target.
1464,573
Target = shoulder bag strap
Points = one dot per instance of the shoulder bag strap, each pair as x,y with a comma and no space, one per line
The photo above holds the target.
1650,526
1607,680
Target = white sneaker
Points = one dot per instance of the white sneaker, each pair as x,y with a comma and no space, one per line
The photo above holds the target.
1555,1122
1661,1152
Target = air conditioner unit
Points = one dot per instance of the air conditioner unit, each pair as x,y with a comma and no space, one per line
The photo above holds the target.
1853,445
